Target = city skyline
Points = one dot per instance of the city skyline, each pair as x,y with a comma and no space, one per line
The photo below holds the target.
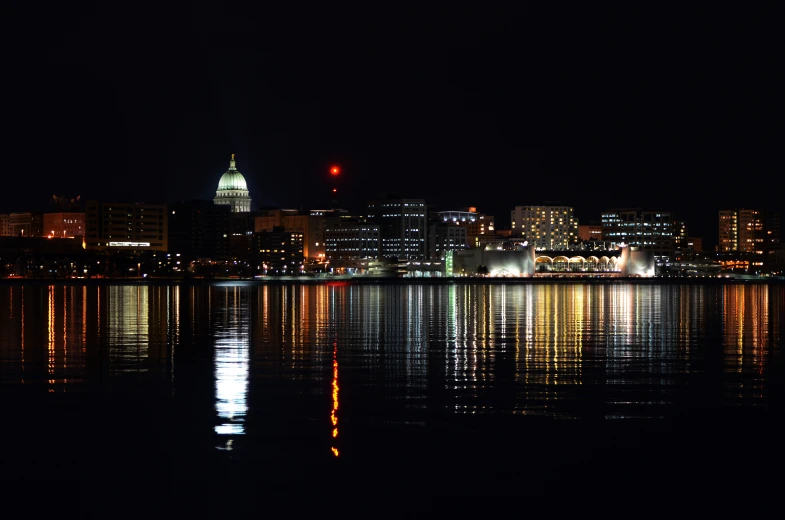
595,107
363,208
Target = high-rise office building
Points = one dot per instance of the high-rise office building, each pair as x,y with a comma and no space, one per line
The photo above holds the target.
751,231
446,236
728,231
479,226
403,227
351,239
646,229
743,230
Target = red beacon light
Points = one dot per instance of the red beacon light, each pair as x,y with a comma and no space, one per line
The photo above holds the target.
335,170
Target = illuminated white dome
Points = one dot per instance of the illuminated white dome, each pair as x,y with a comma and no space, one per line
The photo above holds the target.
233,190
232,180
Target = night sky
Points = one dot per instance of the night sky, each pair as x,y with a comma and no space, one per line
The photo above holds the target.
677,108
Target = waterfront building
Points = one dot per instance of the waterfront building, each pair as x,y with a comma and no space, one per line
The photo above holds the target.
751,231
241,235
403,227
447,236
126,226
772,242
348,239
590,232
695,244
64,225
525,261
754,234
651,230
552,227
728,231
295,221
5,225
478,225
483,225
280,252
26,224
233,190
748,231
199,230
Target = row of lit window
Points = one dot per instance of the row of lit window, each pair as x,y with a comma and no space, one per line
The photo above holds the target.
338,239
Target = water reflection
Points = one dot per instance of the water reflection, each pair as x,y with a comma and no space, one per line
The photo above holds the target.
128,330
335,389
384,355
747,331
231,342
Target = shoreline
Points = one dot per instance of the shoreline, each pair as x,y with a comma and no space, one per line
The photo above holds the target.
366,280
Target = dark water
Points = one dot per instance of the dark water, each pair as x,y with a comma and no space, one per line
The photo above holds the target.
400,399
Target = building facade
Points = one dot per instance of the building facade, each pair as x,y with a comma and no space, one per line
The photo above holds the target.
64,225
351,239
649,230
403,227
728,231
590,232
478,225
772,242
482,225
751,232
446,236
279,252
741,230
124,226
26,224
5,225
546,227
233,190
310,226
199,230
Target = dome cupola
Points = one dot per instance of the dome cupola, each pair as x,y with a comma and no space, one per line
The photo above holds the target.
233,190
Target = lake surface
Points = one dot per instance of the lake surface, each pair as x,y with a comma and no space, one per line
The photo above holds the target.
396,398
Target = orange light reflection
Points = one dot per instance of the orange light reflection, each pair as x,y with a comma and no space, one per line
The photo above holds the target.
333,416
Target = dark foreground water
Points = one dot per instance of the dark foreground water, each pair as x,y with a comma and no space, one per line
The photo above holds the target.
391,400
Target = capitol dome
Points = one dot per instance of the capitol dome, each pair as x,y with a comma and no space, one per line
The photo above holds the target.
232,180
232,190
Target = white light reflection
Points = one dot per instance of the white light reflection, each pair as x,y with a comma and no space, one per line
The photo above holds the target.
231,363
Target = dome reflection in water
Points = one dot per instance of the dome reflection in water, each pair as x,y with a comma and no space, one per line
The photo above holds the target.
231,363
